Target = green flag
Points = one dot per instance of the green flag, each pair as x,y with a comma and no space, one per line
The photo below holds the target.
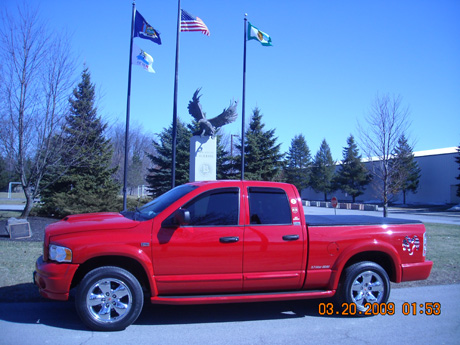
256,34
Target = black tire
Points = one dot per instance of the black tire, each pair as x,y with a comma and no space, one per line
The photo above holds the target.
109,299
364,282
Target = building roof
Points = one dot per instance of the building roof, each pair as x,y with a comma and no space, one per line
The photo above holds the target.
434,152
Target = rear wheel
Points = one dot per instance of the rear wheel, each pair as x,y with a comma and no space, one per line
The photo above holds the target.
362,283
109,299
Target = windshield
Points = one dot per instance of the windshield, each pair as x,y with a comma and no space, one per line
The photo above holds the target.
154,207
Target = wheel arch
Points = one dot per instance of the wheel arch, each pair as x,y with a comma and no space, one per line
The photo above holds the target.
127,263
380,258
387,258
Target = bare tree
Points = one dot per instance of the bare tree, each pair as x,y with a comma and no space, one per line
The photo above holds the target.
140,146
37,71
387,120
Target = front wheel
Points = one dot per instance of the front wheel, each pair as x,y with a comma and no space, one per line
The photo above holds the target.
109,299
362,283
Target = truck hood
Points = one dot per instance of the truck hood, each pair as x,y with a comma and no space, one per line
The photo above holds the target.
90,222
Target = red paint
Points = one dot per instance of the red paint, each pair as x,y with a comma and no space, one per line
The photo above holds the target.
261,262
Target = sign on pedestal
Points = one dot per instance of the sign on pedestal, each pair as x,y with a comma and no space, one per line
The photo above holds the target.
202,158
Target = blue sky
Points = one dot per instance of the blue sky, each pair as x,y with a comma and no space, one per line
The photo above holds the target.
328,62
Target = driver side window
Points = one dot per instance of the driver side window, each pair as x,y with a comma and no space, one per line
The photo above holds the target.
216,207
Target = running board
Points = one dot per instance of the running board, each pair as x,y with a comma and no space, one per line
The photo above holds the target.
241,298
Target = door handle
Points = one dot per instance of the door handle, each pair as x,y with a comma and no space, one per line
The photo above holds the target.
290,237
231,239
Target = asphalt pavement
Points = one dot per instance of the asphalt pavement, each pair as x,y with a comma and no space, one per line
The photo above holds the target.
294,322
13,207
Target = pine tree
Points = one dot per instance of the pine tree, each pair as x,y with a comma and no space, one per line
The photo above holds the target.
3,175
223,161
405,175
135,172
262,154
323,170
159,179
87,185
298,163
352,176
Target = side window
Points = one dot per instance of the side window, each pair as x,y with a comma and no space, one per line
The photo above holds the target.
216,207
269,206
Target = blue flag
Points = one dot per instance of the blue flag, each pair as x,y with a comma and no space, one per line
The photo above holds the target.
144,30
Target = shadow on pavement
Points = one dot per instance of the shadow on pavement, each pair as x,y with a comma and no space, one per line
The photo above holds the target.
63,314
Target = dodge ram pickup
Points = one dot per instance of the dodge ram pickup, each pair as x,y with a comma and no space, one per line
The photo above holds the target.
224,242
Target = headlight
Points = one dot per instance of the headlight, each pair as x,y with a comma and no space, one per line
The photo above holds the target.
60,254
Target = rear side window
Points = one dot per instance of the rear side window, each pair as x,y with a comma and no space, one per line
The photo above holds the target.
216,207
269,206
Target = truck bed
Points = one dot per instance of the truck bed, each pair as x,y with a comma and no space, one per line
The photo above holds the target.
333,220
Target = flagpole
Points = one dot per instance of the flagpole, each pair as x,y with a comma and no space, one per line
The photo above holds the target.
176,82
244,98
128,102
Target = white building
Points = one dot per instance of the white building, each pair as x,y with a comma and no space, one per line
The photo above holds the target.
438,183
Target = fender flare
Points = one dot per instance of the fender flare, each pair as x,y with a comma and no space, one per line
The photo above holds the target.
122,250
372,245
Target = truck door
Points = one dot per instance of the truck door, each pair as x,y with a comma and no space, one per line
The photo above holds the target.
206,255
273,242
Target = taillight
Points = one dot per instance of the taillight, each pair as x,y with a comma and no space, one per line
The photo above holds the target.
424,244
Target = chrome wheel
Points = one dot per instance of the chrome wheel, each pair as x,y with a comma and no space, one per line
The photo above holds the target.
362,283
368,287
109,300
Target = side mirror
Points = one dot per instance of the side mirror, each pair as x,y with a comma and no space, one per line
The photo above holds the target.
177,219
182,216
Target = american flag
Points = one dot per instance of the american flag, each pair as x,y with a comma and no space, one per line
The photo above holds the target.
191,23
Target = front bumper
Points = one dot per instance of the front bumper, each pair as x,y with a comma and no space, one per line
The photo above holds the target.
416,271
54,279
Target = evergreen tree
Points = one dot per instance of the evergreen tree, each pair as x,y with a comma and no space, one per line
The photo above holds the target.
223,161
298,163
323,171
3,175
159,179
262,154
352,176
87,185
405,175
135,172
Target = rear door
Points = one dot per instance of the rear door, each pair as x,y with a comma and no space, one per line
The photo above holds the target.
273,241
206,255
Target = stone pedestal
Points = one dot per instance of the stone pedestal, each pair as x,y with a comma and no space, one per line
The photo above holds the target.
203,155
18,228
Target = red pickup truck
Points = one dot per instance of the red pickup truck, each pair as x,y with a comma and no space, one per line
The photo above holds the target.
224,242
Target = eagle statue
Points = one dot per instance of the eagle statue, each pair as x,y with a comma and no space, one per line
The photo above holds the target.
209,127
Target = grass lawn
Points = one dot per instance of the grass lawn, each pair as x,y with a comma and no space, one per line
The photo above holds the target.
10,214
4,195
17,262
443,249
